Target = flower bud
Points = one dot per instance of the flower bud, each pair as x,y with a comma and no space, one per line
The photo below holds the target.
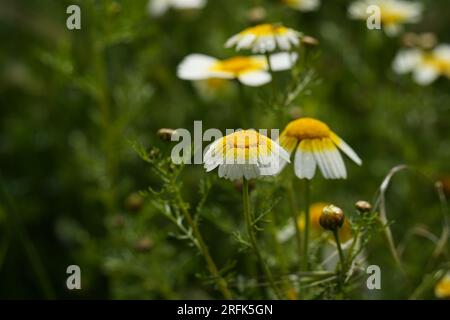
134,202
311,41
166,134
363,206
332,218
256,15
144,244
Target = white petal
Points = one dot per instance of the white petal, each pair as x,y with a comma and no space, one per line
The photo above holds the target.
321,160
442,51
346,148
406,60
304,163
392,29
188,4
195,67
282,61
425,75
157,8
255,78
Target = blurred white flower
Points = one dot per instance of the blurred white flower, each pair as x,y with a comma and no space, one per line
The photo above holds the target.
265,38
249,70
394,13
426,66
303,5
157,8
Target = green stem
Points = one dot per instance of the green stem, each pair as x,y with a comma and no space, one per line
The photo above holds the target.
307,223
221,282
294,213
273,83
341,258
341,254
252,237
246,106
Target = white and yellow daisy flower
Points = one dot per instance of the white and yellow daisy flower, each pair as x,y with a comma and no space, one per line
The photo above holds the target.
265,38
442,288
303,5
426,66
159,7
244,153
393,13
316,144
249,70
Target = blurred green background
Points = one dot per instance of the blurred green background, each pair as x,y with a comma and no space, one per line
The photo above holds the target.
72,100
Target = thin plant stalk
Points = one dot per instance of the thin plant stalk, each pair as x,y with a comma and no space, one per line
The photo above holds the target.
252,237
307,225
294,213
341,258
220,281
273,83
341,254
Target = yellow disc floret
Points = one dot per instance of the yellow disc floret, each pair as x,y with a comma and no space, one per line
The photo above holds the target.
266,29
307,128
238,65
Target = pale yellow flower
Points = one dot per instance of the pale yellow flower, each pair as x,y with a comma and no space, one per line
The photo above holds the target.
316,145
265,38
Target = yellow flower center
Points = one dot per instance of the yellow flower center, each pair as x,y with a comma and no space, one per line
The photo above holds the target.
238,65
247,139
266,29
246,144
307,128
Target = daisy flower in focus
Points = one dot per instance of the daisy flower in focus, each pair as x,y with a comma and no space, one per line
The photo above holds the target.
244,154
249,70
426,66
265,38
303,5
159,7
442,288
316,145
393,13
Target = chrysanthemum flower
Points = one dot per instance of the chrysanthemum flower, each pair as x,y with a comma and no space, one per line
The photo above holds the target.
394,13
244,153
159,7
442,288
316,144
303,5
425,66
265,38
249,70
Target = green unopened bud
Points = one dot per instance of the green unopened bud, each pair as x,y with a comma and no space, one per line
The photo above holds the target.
332,218
363,206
